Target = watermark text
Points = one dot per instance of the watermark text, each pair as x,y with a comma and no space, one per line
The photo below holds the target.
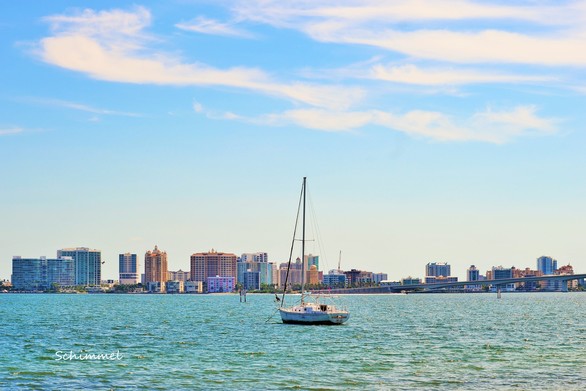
71,356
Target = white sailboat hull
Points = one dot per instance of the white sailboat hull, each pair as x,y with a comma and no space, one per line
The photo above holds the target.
308,316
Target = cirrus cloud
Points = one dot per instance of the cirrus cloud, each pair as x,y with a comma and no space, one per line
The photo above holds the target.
487,126
205,25
10,130
110,45
556,36
412,74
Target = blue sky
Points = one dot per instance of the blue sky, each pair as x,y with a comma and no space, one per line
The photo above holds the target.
447,131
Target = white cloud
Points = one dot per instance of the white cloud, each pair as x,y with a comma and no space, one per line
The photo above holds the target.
213,27
88,43
80,107
556,35
320,119
517,121
412,74
288,12
487,46
118,29
9,131
197,107
487,126
114,46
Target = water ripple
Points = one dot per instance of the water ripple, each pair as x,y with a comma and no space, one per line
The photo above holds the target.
437,342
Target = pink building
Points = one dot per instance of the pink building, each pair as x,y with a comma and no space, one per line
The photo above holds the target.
221,284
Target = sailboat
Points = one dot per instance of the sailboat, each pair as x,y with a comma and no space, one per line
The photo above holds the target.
311,310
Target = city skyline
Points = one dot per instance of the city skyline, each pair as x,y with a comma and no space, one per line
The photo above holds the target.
426,135
430,269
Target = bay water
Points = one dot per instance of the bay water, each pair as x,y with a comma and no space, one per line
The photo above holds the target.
527,341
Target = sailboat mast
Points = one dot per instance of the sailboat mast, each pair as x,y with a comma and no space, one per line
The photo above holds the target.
292,246
303,273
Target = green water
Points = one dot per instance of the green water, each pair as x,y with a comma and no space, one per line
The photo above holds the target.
444,342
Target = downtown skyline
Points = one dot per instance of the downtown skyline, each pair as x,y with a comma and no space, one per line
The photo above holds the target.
426,136
431,268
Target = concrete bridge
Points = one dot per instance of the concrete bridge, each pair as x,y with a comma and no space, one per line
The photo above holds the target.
564,278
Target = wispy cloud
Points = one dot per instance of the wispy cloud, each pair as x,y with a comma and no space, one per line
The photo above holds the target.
10,130
115,46
555,38
412,74
79,107
204,25
88,43
103,23
487,126
487,46
580,89
217,115
287,12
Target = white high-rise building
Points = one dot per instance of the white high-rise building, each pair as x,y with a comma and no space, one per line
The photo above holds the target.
87,264
437,269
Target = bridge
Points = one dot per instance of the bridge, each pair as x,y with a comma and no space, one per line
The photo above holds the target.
563,278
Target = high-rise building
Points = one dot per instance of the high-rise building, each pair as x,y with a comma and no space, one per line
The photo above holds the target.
155,266
38,274
212,264
547,265
378,277
61,271
255,262
128,269
87,264
472,273
437,269
312,276
311,260
499,273
294,276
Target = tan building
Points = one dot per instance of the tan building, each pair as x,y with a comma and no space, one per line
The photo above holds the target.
179,275
212,264
295,273
312,275
155,266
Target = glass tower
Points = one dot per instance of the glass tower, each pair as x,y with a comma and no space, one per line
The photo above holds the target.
87,264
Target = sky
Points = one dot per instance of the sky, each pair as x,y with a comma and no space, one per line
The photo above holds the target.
429,131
